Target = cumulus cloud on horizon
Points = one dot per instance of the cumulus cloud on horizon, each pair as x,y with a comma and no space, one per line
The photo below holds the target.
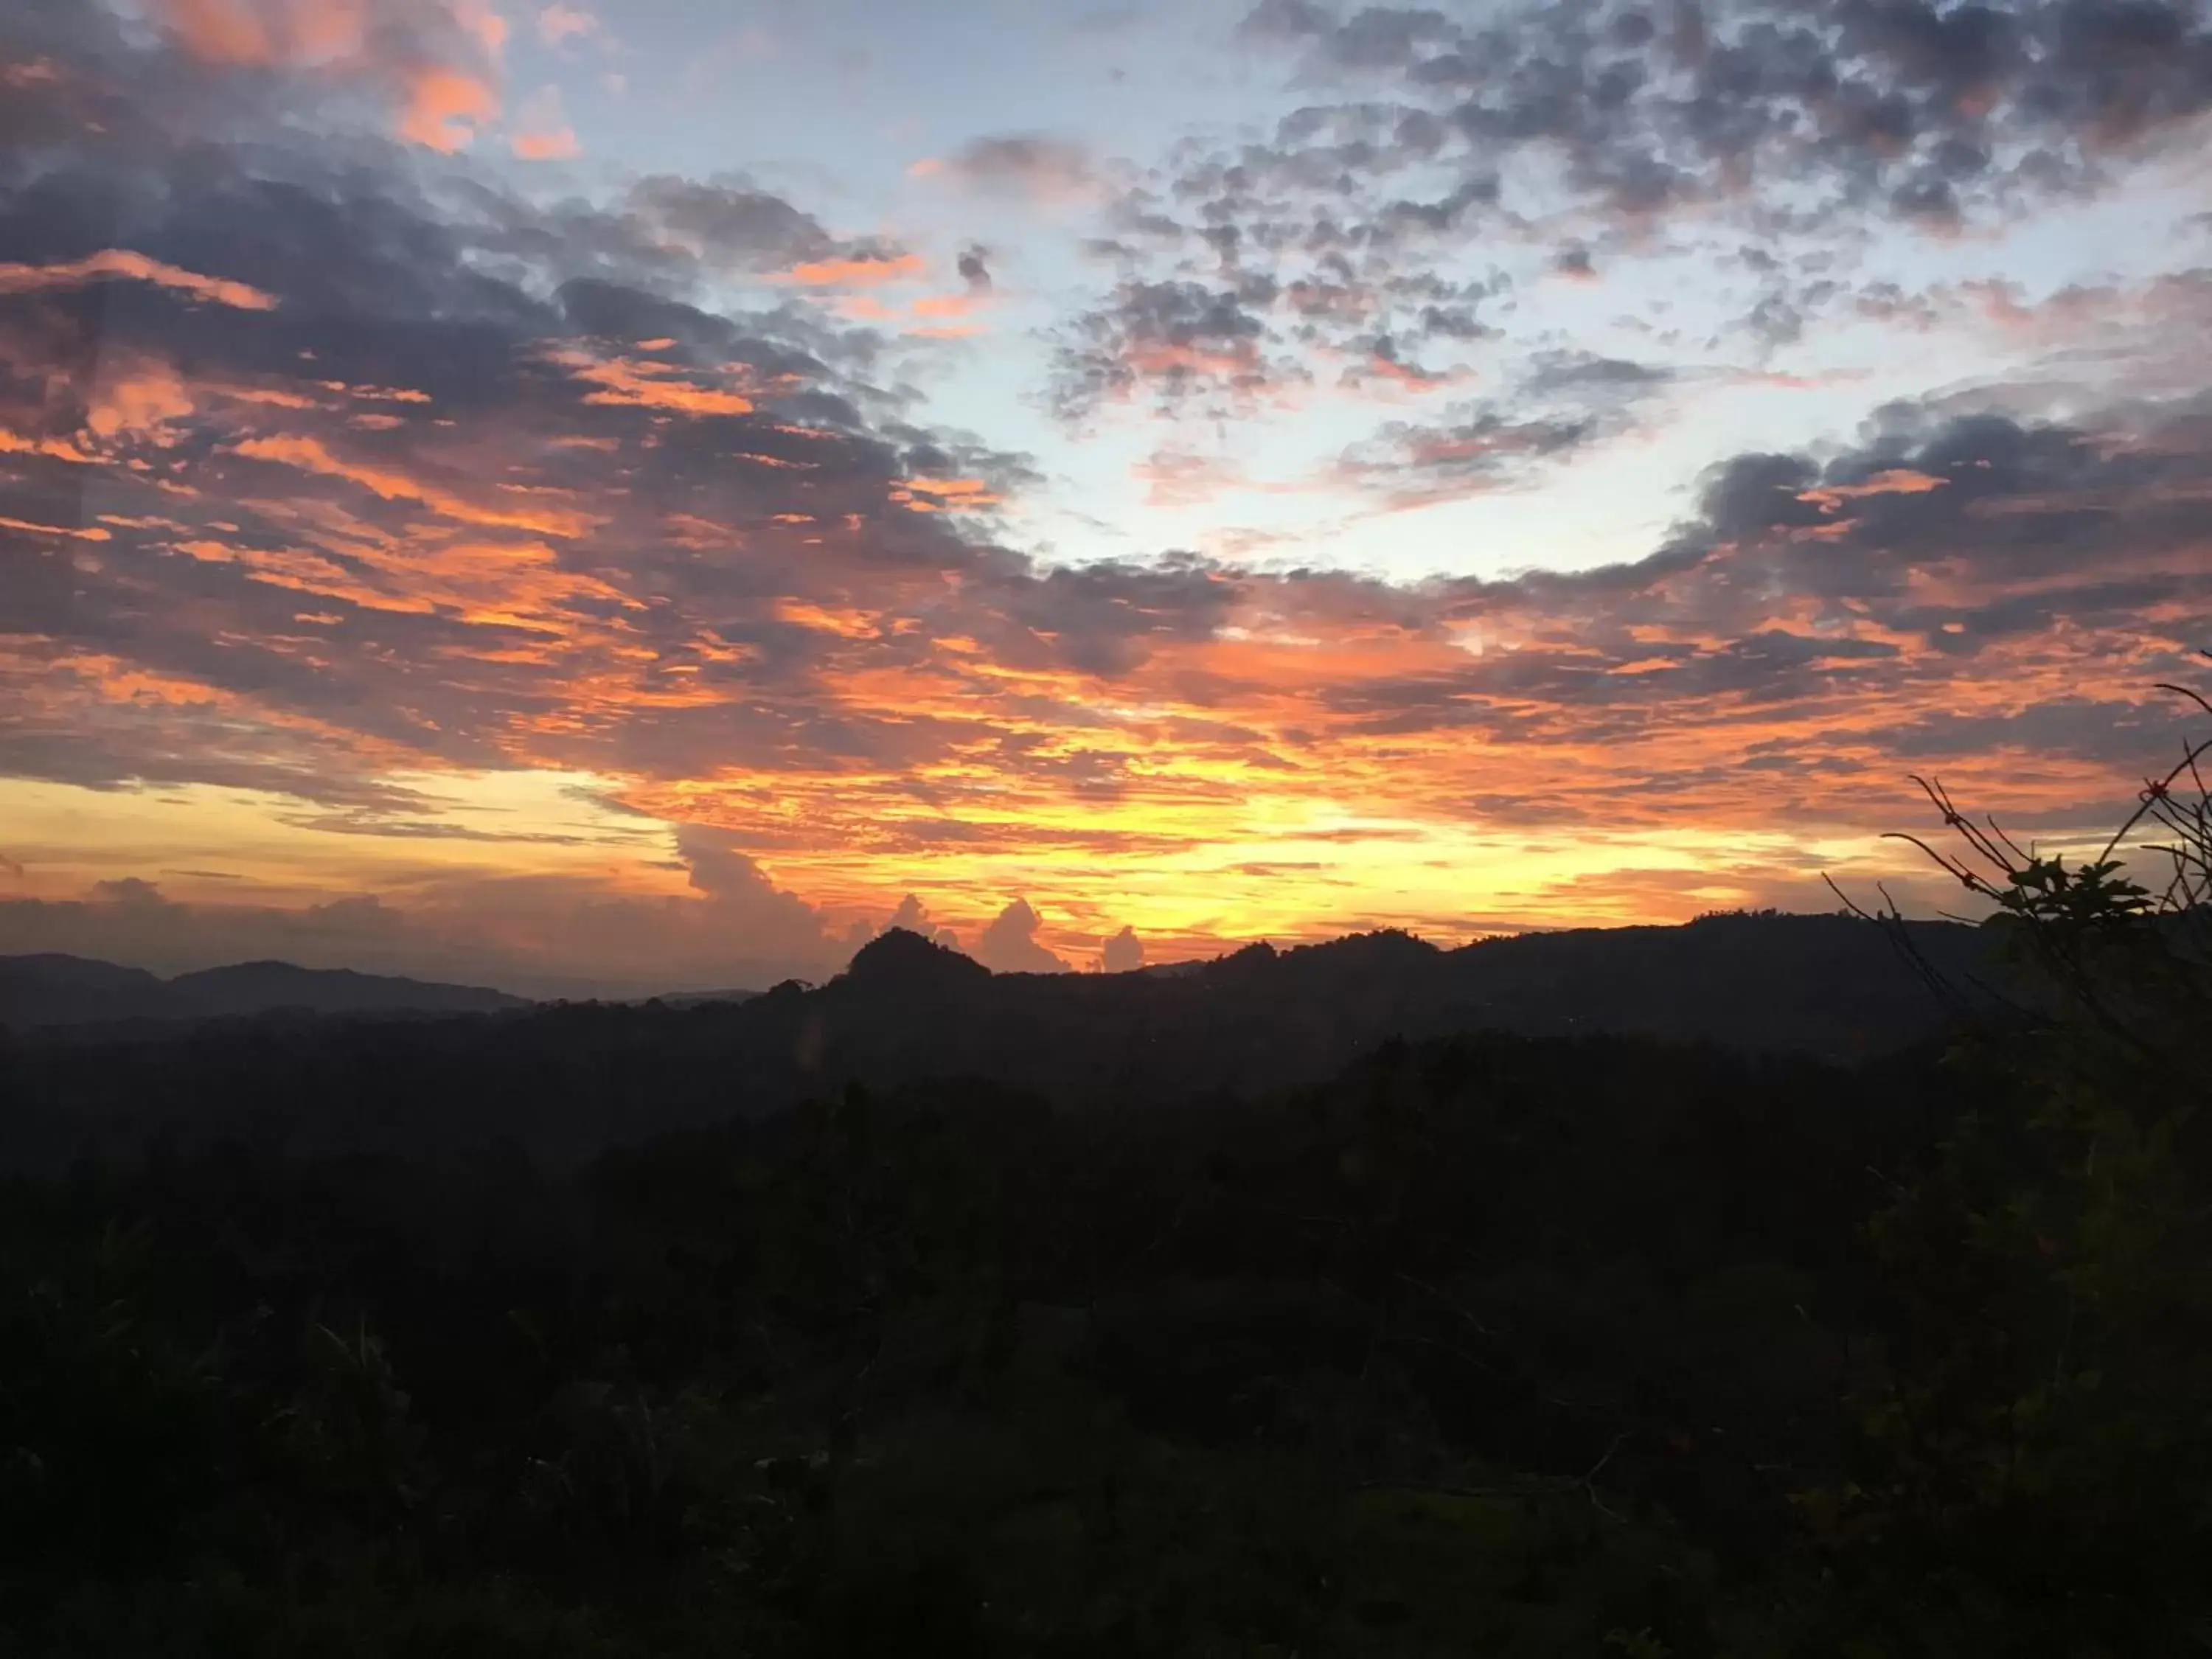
1010,944
1121,953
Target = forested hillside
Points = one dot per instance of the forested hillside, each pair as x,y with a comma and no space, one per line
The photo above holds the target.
563,1081
630,1332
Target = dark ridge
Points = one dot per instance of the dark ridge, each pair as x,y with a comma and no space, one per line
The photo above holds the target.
568,1080
56,991
900,958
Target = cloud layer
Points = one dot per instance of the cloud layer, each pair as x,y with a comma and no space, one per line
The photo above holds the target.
322,473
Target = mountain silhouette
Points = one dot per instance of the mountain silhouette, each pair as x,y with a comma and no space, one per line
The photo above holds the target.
900,959
566,1079
54,990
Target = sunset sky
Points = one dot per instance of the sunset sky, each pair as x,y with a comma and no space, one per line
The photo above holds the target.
601,501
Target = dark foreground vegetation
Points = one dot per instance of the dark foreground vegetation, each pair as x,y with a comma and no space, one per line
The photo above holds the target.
1513,1344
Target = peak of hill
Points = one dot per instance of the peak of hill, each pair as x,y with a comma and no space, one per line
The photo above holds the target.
900,959
51,990
1387,950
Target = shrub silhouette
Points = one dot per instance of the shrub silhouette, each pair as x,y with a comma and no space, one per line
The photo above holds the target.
2034,1468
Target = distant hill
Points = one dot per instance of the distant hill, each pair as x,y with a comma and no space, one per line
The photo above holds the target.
568,1078
58,990
46,991
693,999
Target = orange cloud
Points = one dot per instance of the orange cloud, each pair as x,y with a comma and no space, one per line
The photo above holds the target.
435,61
273,397
948,305
544,134
952,308
139,403
85,533
310,454
222,31
955,493
845,622
380,394
58,449
1899,481
864,271
444,107
639,383
135,267
558,146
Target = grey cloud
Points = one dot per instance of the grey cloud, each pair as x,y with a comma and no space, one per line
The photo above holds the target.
1590,377
1105,617
1261,260
913,916
1009,945
1382,37
1470,449
1575,264
1030,164
2079,728
1184,345
729,221
1952,533
1286,19
1121,953
1800,120
1108,19
1563,402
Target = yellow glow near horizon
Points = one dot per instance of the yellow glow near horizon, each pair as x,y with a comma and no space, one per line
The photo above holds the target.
205,842
1292,873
